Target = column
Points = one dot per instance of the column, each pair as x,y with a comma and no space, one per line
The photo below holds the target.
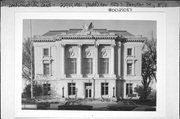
112,64
119,60
79,61
63,60
96,61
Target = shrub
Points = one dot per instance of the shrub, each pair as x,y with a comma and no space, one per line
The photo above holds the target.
37,91
143,92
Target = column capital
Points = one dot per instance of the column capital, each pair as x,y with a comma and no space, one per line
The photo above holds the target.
96,45
63,44
79,45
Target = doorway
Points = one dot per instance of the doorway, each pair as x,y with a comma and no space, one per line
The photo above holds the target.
88,90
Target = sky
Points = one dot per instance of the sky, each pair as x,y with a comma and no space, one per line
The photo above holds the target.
40,27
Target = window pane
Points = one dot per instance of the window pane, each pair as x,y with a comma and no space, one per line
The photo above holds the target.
46,52
129,68
46,69
88,65
129,51
107,66
72,65
126,89
129,89
104,88
104,65
90,93
71,89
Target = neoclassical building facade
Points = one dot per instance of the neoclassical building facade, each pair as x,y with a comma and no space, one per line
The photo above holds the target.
88,63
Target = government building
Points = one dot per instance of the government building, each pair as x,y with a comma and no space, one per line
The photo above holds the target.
88,63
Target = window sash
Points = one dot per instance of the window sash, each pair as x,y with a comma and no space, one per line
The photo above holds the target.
104,88
129,88
71,89
45,52
72,65
46,68
129,51
104,65
129,68
88,65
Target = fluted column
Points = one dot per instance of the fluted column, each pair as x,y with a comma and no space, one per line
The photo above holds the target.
79,62
119,60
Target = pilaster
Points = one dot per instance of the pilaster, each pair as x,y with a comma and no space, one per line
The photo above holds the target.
112,63
63,60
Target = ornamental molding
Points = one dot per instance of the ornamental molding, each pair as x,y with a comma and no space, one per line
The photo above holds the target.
88,52
72,52
105,52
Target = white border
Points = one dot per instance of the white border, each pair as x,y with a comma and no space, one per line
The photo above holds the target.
150,14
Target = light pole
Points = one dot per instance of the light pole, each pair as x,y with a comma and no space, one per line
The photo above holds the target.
62,92
113,92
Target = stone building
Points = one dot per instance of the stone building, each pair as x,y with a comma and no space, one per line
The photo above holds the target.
88,63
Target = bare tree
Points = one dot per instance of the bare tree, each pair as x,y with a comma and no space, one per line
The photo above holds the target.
28,61
148,68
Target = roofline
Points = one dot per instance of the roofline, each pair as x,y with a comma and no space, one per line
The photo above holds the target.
107,37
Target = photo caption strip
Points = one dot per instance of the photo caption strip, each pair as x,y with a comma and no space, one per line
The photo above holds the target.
120,9
82,3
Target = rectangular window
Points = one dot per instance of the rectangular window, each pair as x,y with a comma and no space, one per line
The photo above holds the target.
129,51
104,65
72,65
88,65
104,88
46,68
46,52
129,68
46,89
129,88
71,88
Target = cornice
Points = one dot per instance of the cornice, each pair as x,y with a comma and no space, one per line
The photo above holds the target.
86,37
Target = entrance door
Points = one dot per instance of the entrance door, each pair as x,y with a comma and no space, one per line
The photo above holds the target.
88,90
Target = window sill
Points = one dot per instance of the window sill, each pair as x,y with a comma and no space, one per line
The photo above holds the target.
74,76
88,75
107,76
130,75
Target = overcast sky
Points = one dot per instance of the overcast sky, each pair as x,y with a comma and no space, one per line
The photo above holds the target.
39,27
